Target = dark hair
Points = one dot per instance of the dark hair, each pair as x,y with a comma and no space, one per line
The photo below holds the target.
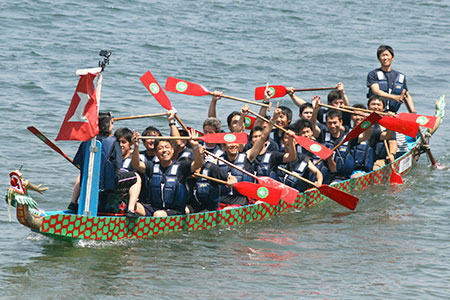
125,133
157,141
383,48
304,106
286,111
375,97
333,95
214,122
302,123
150,129
104,120
290,127
257,128
231,116
333,113
183,132
359,105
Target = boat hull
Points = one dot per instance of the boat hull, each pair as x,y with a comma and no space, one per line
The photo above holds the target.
65,225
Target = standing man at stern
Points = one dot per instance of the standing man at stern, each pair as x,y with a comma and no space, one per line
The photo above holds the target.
389,84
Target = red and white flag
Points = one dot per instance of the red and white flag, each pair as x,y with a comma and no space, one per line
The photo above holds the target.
81,121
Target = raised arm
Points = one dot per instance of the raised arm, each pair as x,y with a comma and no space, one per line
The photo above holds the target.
315,103
290,150
136,163
297,100
198,157
216,95
340,88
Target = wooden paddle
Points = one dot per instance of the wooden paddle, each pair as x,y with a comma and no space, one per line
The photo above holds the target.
341,197
193,89
422,120
140,116
49,143
288,194
155,89
395,177
213,138
393,123
424,142
251,190
316,148
280,91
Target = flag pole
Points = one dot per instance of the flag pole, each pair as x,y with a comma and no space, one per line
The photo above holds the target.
93,148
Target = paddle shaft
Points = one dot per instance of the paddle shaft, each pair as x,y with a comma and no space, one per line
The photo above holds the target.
315,89
267,120
388,153
167,138
49,143
210,178
232,165
340,108
269,106
181,123
422,137
140,116
363,110
296,175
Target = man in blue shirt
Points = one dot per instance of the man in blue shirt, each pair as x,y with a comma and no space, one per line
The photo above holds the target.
387,83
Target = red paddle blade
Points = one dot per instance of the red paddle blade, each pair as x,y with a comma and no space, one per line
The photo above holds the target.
220,138
155,89
363,126
314,147
406,127
249,122
267,194
422,120
185,87
198,132
277,91
395,177
288,194
341,197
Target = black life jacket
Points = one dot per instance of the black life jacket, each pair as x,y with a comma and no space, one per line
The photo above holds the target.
204,192
396,89
166,192
239,162
344,160
364,156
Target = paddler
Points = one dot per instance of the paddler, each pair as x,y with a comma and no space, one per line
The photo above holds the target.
112,178
388,83
337,97
341,163
360,149
379,134
167,194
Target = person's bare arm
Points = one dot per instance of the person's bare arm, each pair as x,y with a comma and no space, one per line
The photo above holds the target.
297,100
291,152
198,157
212,106
316,171
315,103
340,88
136,163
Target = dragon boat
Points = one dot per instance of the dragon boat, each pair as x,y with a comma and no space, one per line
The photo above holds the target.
69,226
